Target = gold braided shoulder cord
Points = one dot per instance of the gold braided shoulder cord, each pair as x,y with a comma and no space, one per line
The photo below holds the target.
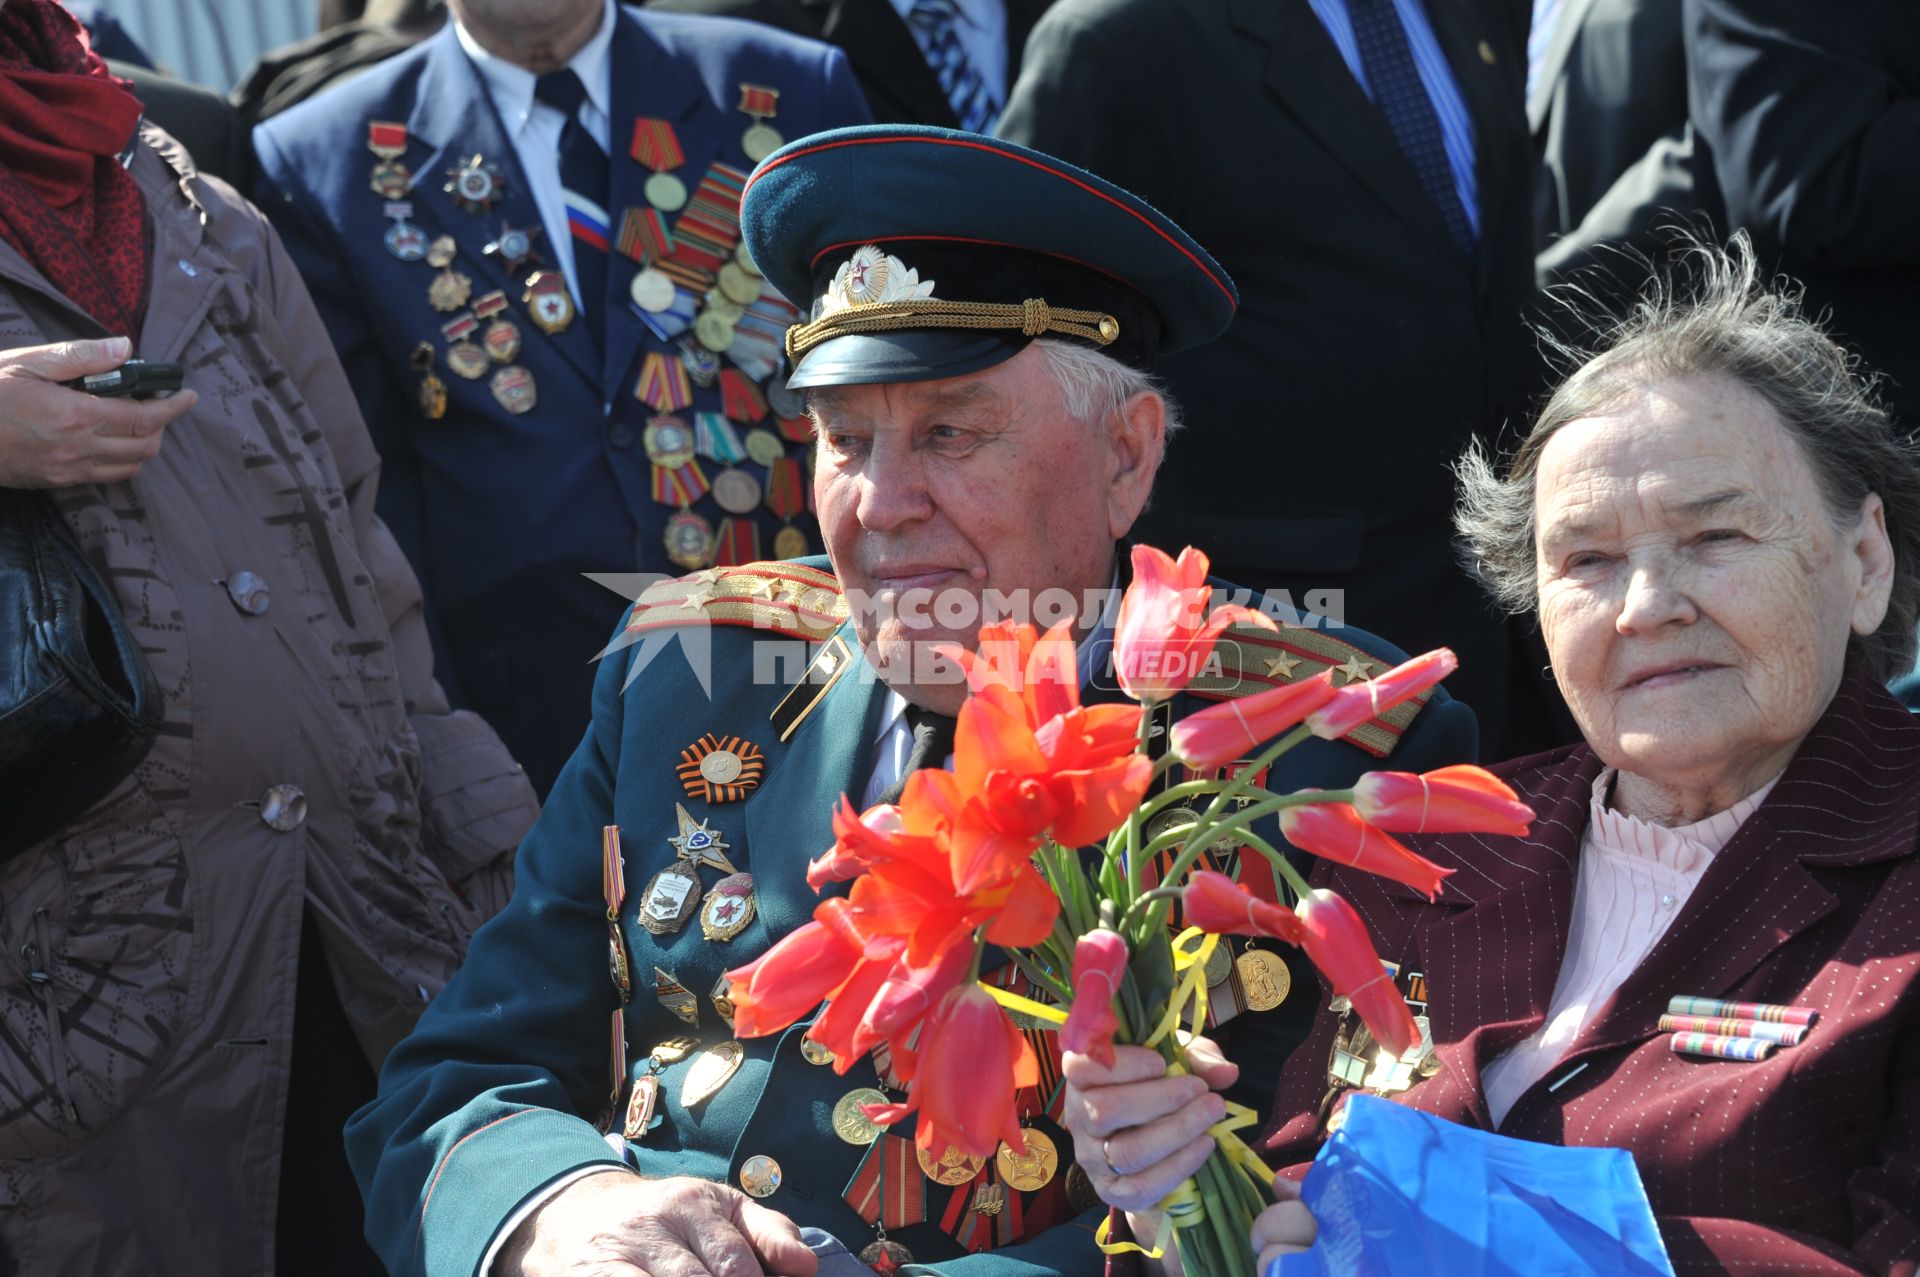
1033,318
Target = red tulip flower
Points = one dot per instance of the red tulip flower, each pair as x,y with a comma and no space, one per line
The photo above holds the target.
1099,960
1356,703
1334,831
1238,727
970,1063
792,978
1220,906
1164,633
1336,942
1462,799
859,840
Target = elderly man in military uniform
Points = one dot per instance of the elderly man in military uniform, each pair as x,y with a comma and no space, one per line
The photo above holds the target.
980,318
524,238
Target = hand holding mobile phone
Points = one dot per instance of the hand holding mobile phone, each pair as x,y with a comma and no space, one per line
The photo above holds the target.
137,378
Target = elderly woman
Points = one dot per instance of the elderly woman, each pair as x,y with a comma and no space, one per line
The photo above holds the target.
203,959
1722,538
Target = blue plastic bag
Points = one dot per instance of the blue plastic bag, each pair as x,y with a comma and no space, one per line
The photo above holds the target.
1398,1192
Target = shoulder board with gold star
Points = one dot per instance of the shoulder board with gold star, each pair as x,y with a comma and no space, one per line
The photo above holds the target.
1257,659
780,598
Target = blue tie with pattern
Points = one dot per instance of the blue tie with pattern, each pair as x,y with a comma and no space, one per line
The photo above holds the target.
1403,99
584,175
933,22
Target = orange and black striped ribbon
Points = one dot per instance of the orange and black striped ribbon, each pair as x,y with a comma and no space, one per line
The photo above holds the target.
656,144
753,765
786,488
644,235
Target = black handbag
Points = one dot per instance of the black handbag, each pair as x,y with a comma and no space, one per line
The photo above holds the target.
79,707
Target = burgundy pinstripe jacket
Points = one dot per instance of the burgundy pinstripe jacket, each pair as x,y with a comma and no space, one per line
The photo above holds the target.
1805,1162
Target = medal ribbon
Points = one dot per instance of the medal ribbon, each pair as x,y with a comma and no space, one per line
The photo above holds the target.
794,429
617,1062
663,384
715,438
741,398
694,263
388,141
490,305
738,543
786,488
680,487
458,327
713,214
759,101
957,1204
656,145
888,1188
398,210
644,235
613,873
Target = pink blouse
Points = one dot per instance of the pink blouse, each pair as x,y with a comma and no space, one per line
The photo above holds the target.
1634,878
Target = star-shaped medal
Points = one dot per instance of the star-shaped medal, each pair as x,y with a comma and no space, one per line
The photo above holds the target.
515,247
698,845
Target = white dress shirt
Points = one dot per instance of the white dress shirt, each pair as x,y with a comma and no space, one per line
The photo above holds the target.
534,129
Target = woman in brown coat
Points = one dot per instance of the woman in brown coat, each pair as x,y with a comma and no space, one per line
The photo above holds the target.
308,776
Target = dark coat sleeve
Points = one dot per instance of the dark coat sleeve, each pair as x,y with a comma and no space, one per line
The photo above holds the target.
1812,113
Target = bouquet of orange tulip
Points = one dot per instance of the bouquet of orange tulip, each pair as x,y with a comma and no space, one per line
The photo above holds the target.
1034,843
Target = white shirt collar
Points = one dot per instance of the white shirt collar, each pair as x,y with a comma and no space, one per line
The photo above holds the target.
511,86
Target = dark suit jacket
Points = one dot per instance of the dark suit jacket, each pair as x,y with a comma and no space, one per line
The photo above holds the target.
1618,158
892,72
1808,1161
1813,116
502,515
1367,350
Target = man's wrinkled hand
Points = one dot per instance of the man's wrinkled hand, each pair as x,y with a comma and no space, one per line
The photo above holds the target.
621,1225
52,436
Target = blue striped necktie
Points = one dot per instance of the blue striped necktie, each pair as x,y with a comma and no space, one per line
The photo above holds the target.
584,175
933,22
1402,98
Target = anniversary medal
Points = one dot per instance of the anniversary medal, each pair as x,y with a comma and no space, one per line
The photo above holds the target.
465,358
761,139
1033,1169
657,146
720,769
852,1125
645,238
502,338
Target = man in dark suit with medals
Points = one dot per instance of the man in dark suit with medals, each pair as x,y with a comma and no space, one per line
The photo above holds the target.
1361,167
944,62
524,238
979,321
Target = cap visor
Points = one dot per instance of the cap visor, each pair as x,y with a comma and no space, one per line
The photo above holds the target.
923,354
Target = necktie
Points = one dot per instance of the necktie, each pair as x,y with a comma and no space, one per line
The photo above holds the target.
1402,98
933,26
584,178
932,742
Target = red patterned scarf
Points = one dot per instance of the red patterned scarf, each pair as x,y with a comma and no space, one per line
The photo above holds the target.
66,203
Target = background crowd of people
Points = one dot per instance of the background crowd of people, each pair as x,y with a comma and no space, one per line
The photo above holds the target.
474,347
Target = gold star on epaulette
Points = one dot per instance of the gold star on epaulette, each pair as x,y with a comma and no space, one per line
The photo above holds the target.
763,586
1356,670
1282,666
699,596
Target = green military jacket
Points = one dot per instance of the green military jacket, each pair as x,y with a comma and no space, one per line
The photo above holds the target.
508,1083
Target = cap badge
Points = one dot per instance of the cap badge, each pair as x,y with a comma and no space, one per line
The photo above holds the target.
870,277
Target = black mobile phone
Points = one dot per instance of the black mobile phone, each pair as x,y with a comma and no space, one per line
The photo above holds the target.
136,377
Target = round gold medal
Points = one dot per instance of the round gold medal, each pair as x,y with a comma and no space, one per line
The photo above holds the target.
760,141
666,192
715,332
1033,1169
442,251
951,1167
764,447
849,1123
814,1053
1264,976
651,291
789,543
744,258
1219,964
718,303
738,286
736,491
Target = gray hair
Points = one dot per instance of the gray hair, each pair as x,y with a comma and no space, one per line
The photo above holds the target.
1096,385
1727,322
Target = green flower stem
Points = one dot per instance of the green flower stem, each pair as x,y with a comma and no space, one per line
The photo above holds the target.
1045,979
1197,837
1279,861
